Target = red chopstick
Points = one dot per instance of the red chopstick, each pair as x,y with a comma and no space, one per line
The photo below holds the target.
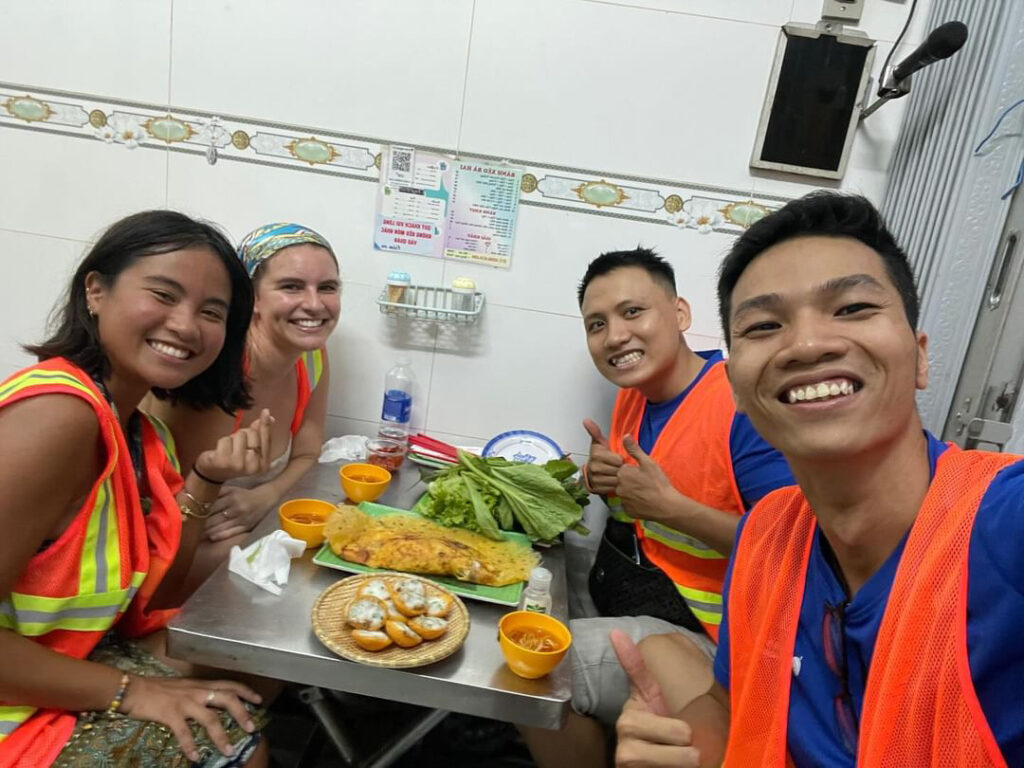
419,450
432,444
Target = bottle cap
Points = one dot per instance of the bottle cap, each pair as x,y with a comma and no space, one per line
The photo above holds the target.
540,578
399,278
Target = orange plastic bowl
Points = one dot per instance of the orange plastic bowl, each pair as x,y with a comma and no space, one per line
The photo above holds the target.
522,661
364,482
304,519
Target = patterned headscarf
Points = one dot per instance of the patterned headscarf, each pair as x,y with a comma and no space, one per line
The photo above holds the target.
263,242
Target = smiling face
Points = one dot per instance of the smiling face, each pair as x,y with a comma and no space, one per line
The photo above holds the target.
162,320
298,296
634,326
822,357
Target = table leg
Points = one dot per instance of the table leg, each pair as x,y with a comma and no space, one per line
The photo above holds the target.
314,698
388,754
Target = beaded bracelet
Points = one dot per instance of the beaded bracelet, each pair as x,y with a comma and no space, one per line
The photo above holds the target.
115,705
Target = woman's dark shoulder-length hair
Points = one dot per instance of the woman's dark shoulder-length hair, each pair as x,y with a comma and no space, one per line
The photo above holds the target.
74,333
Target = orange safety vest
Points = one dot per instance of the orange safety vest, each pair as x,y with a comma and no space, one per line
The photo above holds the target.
920,706
97,572
693,451
308,370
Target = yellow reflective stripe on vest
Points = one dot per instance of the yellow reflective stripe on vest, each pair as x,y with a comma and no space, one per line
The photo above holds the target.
41,378
314,362
679,541
164,433
12,717
100,567
706,606
617,512
32,615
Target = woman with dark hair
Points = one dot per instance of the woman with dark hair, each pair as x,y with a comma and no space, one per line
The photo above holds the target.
297,288
99,526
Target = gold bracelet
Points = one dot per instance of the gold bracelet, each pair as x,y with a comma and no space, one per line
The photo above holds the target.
193,507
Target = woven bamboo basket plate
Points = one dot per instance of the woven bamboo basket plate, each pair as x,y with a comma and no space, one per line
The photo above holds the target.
332,630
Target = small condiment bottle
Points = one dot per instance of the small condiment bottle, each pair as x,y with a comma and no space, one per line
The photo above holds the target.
463,294
537,595
398,284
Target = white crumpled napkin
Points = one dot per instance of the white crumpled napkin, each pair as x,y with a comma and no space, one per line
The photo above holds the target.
344,448
266,562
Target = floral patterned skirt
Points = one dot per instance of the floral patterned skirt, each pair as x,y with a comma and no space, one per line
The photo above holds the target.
118,741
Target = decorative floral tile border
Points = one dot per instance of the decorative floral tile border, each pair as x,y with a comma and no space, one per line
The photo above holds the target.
132,125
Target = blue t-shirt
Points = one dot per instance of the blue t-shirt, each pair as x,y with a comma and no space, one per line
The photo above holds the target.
759,468
995,626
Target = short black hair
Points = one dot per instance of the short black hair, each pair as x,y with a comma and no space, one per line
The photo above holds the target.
819,214
644,258
75,335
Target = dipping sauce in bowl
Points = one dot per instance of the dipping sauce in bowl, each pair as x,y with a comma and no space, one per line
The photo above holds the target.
364,482
385,453
533,644
304,519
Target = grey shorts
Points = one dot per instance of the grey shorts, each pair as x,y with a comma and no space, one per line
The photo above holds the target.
599,686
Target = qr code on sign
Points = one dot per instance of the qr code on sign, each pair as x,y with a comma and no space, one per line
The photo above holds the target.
400,164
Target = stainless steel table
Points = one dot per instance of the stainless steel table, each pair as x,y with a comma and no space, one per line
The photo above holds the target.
233,624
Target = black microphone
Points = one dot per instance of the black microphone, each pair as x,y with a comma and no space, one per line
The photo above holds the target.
943,42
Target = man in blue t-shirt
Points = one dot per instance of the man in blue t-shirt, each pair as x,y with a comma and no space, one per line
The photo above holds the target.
634,323
820,311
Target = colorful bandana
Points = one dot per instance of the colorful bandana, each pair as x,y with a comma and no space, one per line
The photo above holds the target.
263,242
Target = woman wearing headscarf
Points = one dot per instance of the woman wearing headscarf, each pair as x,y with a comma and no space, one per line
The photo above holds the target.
297,288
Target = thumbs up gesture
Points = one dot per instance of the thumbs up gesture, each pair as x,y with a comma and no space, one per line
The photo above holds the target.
648,736
645,490
602,470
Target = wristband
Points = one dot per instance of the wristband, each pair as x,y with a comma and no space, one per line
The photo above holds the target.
585,471
204,478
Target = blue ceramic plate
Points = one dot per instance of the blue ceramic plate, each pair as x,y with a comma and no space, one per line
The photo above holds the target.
523,445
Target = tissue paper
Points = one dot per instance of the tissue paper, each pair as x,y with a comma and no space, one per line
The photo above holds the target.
267,561
344,448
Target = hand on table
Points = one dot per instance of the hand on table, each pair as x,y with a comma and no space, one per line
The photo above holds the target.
643,488
173,701
238,510
648,736
602,468
242,453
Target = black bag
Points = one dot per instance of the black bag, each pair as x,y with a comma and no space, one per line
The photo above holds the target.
626,583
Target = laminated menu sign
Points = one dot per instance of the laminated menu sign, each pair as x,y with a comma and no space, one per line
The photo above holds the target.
429,204
482,213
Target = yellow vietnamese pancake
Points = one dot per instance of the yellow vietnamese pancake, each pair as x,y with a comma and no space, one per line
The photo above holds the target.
413,544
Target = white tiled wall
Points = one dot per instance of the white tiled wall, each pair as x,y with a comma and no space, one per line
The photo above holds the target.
660,88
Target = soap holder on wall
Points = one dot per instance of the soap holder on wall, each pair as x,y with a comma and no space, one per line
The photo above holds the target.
422,302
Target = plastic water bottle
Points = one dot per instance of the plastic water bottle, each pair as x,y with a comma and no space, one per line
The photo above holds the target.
537,595
397,409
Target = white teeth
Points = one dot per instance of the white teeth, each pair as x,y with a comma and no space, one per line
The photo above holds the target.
309,323
167,349
820,391
630,357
